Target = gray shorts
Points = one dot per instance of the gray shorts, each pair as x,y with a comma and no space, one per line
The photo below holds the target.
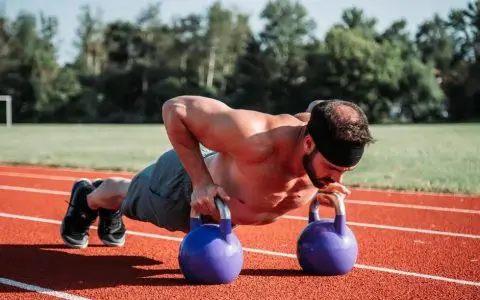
160,194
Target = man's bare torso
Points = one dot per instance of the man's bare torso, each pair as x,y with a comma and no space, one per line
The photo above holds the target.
260,191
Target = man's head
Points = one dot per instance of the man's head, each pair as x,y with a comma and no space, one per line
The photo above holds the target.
336,136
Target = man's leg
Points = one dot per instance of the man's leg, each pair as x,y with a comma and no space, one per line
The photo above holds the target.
107,198
159,194
109,193
88,201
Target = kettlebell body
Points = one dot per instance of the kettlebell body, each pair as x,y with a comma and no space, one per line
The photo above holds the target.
327,247
211,253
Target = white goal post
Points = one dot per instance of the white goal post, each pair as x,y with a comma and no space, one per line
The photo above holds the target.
8,104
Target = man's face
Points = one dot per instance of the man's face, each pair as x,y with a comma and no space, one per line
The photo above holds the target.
319,170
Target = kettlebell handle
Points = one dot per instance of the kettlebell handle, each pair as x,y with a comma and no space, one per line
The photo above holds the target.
225,217
340,221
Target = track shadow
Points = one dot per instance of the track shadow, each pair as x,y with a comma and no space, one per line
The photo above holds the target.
51,267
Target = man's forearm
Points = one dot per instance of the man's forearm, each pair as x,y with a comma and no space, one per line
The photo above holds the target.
185,144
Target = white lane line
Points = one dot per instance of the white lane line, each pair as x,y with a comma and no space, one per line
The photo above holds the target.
81,173
414,206
38,176
409,193
377,269
127,174
414,274
267,252
73,171
33,190
350,201
291,217
397,228
38,289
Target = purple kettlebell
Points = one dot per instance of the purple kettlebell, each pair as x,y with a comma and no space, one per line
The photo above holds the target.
211,253
327,247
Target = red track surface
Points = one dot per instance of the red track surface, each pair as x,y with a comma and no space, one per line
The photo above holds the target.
418,257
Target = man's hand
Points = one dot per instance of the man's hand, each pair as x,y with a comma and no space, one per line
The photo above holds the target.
326,195
203,199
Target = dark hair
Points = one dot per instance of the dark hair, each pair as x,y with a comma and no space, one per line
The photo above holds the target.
345,121
340,131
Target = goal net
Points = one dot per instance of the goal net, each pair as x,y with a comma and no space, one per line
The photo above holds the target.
8,108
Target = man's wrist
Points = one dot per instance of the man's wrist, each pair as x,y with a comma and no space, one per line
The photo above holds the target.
205,181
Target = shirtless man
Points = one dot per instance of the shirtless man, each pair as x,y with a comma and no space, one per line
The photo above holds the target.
261,165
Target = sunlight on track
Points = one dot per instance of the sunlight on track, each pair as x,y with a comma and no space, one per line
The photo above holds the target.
265,252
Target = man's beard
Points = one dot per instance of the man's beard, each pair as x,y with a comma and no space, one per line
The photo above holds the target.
307,165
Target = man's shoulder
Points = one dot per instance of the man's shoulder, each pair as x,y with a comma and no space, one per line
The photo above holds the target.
282,130
303,116
283,120
265,133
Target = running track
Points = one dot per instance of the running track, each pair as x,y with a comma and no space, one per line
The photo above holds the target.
411,246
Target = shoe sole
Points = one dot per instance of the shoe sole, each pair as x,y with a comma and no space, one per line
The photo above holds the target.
113,244
68,243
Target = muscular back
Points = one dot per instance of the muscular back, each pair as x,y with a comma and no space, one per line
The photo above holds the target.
249,164
236,132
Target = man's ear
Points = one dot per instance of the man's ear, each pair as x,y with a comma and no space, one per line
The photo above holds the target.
308,144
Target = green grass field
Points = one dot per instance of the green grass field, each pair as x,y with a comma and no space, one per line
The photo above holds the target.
438,158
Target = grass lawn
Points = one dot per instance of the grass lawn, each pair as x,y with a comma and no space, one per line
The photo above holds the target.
439,158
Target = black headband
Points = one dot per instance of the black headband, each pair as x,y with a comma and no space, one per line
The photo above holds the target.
337,152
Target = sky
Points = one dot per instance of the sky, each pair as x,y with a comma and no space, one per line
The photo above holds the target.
325,13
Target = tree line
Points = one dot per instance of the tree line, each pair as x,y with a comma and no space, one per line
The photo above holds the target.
124,71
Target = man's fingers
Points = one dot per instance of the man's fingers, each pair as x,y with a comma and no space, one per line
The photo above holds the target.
344,189
208,207
203,200
220,192
223,194
196,208
335,187
325,199
201,206
213,210
205,207
325,195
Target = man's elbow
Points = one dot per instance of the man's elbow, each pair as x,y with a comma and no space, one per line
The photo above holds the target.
180,101
172,102
173,108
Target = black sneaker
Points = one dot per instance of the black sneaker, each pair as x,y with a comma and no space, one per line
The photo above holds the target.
79,217
111,229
